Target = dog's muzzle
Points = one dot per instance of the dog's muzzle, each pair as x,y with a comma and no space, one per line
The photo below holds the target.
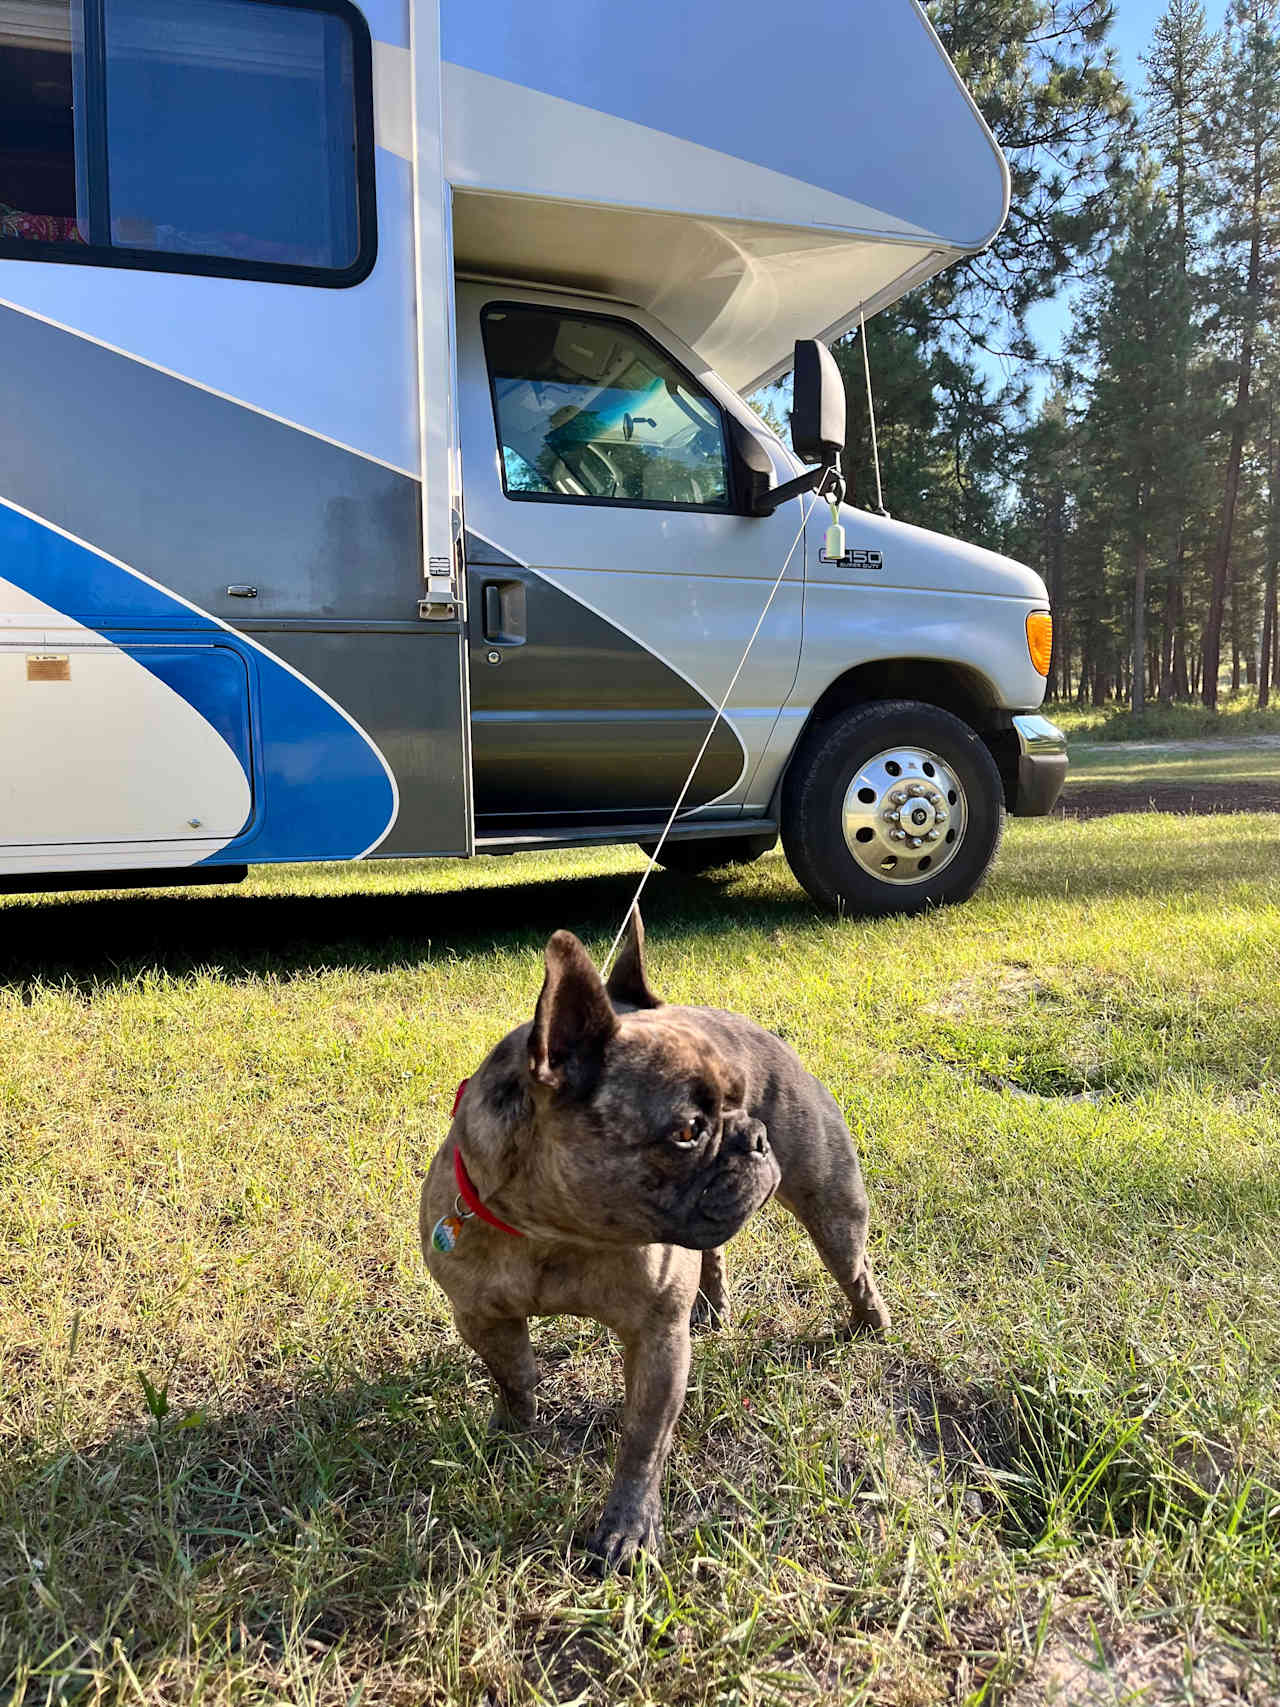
743,1178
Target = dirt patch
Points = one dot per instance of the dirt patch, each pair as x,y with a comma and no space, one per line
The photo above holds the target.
1095,1662
1185,799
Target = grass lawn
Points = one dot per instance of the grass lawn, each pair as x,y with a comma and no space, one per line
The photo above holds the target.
242,1454
1107,764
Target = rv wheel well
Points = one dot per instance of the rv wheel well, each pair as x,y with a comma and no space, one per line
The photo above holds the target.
954,687
962,691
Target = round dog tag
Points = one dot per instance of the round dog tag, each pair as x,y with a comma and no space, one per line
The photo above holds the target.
444,1235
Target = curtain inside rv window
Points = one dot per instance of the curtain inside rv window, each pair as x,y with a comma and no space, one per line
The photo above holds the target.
38,200
219,129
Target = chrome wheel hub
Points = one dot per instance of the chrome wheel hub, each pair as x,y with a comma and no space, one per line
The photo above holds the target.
904,815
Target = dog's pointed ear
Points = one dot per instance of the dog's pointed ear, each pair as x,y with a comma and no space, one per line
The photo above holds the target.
573,1021
628,982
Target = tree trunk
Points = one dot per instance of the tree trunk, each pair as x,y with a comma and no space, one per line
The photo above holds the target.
1168,628
1181,688
1231,484
1269,655
1138,694
1055,550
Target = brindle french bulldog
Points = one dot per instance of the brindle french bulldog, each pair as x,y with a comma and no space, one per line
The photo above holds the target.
607,1151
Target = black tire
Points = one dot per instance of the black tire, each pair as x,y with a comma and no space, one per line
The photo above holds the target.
711,852
829,757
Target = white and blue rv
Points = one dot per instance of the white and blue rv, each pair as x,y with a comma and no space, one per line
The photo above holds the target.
374,472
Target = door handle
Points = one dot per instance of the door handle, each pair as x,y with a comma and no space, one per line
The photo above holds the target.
502,605
492,610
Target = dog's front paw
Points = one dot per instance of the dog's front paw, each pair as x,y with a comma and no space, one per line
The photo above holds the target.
626,1527
513,1413
869,1313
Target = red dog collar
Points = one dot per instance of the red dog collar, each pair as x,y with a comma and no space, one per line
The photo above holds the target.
466,1191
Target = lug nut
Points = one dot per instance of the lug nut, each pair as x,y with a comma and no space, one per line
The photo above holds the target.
897,835
915,841
932,836
942,817
898,797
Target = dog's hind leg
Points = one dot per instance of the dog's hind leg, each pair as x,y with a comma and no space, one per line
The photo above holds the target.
711,1306
833,1209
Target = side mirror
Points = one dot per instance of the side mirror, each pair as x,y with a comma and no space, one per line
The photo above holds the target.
752,469
817,407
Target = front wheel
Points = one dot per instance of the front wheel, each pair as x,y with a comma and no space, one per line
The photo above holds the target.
891,808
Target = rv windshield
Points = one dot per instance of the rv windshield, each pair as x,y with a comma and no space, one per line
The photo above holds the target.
588,407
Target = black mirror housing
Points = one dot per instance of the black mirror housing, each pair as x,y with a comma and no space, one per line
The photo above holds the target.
752,469
817,407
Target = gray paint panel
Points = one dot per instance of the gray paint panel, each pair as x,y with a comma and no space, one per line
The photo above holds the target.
199,492
577,717
484,552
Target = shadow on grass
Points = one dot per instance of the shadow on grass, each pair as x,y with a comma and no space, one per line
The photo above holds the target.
117,938
364,1514
357,1514
93,940
304,1521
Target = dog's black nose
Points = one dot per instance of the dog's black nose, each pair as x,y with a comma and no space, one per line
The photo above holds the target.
745,1136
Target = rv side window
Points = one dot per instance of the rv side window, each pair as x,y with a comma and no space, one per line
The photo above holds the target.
589,410
231,137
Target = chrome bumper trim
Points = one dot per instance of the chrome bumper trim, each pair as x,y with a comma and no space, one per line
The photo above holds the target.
1042,765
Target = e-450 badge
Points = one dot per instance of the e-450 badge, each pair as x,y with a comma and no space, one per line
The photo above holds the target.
858,558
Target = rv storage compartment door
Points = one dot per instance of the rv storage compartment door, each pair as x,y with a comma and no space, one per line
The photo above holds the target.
114,744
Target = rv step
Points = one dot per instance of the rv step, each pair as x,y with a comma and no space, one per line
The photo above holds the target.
595,835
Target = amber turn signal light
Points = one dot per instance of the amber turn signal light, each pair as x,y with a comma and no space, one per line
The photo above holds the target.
1040,639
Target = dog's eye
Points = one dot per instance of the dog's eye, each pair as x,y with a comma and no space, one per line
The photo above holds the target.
686,1136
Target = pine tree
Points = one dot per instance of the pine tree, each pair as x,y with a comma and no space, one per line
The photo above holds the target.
1246,141
1180,68
1046,82
1050,453
1135,326
1269,448
943,436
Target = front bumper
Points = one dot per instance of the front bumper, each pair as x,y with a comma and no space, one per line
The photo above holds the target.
1042,766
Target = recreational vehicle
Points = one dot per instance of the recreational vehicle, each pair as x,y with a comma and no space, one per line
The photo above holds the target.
375,474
